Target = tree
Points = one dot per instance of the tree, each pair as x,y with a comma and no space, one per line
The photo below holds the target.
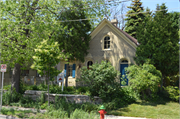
75,39
25,23
134,17
158,39
46,57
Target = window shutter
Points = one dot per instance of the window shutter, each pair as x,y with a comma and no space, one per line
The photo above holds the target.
65,69
74,70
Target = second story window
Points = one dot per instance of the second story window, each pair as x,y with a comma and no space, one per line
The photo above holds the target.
107,42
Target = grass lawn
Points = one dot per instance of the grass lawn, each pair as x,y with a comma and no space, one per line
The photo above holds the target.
168,110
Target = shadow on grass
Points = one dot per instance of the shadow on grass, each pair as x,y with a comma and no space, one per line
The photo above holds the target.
126,109
158,101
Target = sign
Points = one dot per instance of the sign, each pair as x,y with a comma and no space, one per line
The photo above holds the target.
60,78
3,67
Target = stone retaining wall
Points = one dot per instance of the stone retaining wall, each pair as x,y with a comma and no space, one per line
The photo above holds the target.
72,98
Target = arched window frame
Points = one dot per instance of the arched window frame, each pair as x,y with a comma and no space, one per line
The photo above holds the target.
108,43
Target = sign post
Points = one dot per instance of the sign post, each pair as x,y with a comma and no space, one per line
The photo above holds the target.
60,78
3,69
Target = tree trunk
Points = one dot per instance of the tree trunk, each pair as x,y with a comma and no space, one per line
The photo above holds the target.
16,77
67,69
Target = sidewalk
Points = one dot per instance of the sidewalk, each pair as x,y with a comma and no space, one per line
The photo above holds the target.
121,117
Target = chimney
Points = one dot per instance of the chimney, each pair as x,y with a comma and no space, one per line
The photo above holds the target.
114,22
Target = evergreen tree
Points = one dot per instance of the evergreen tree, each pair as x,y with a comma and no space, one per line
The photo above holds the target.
158,39
134,18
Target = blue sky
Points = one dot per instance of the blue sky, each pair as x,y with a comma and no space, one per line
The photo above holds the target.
173,5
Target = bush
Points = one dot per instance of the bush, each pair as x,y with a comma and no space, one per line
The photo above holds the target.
144,80
8,97
173,92
101,80
81,114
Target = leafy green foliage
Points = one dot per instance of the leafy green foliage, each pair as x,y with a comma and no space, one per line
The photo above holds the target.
101,80
158,39
52,89
173,92
24,24
16,113
8,97
74,38
79,113
46,57
134,17
144,80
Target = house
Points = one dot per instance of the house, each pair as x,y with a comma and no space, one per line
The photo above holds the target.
108,43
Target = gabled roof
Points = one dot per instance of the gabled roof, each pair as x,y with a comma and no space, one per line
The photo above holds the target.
99,27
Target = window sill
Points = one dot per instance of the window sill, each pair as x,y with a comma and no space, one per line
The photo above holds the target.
106,50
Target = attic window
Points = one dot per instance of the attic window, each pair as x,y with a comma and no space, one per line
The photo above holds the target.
107,42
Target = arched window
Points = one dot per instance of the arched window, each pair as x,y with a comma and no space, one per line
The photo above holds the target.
89,63
107,42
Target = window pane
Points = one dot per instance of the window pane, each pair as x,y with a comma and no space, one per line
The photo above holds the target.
70,70
107,42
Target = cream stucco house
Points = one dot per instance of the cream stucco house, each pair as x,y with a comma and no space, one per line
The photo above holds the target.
107,43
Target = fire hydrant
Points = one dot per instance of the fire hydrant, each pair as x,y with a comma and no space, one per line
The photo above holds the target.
102,112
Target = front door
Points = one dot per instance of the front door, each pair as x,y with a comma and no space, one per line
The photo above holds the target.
123,77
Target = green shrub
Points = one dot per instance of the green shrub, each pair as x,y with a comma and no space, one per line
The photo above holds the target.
42,98
7,87
101,80
8,97
81,114
88,107
144,80
133,95
82,89
173,92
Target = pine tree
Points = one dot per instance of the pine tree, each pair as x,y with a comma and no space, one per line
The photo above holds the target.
158,38
134,18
